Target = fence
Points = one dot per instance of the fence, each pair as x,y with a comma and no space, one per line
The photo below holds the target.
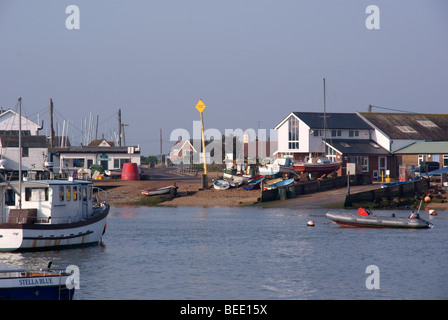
399,190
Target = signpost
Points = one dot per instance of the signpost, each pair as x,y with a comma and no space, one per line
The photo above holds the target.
201,106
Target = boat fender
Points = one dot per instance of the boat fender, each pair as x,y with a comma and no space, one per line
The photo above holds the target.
310,223
104,230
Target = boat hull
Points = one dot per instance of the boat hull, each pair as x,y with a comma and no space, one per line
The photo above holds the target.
352,220
158,191
317,168
36,236
221,185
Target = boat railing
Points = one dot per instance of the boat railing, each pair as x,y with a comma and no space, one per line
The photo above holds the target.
99,196
19,272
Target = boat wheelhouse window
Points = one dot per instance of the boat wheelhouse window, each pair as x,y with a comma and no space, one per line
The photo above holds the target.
36,194
61,193
25,152
68,192
90,192
84,193
75,193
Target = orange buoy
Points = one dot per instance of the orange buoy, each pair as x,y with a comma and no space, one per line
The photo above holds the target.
427,199
130,171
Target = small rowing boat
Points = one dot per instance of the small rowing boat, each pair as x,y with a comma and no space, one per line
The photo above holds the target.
221,185
157,191
366,219
254,183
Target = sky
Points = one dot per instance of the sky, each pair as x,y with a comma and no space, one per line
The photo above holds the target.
252,62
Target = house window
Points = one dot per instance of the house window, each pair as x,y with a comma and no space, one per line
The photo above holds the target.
445,160
336,133
330,153
78,163
118,163
362,162
353,133
293,133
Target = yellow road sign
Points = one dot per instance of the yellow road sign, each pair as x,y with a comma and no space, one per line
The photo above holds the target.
200,106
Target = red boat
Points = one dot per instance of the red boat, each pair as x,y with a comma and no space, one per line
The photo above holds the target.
321,167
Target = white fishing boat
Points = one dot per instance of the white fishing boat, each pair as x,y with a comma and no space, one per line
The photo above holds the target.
36,284
51,214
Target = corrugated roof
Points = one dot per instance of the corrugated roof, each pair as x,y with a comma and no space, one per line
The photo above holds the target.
411,126
428,147
315,120
358,146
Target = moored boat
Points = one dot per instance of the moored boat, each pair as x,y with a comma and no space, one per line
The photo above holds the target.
366,219
279,166
40,284
320,167
51,214
158,191
283,183
221,185
254,183
235,180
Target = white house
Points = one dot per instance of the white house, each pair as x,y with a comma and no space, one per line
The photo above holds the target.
301,135
9,124
34,146
344,137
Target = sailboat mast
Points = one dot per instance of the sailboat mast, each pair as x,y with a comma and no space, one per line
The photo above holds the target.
325,116
20,152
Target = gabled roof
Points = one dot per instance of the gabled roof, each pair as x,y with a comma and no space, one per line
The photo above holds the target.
101,143
357,146
315,120
410,126
429,147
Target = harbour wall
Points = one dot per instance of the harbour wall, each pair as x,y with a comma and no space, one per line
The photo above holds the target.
313,187
397,191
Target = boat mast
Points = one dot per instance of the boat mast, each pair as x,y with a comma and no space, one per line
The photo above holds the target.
325,120
20,153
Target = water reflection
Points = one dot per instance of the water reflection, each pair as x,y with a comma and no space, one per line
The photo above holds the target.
249,253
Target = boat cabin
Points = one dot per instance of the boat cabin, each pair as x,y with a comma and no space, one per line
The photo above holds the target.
46,201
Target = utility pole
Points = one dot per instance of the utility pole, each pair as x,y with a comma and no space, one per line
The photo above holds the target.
51,125
161,155
119,127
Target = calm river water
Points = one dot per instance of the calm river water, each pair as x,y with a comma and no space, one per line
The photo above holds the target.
250,254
